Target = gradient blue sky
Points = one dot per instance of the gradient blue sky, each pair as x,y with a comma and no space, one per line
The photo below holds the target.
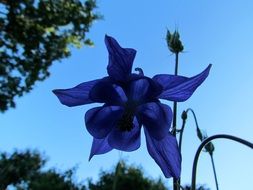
217,32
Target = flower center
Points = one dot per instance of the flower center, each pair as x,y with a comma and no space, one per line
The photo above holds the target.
126,121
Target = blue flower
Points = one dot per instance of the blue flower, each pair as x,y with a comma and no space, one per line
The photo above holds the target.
130,101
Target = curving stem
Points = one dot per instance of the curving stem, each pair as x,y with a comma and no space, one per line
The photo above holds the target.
205,142
183,126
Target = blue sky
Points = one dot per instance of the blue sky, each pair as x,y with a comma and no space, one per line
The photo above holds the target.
217,32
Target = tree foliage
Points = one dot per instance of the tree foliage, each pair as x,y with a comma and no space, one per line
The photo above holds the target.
124,178
34,34
200,187
24,171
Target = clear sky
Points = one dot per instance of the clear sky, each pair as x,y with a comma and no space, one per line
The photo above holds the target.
217,32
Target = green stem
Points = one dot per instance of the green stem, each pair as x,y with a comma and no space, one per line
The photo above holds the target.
176,183
183,126
174,124
176,62
197,127
115,180
204,143
182,131
181,135
214,172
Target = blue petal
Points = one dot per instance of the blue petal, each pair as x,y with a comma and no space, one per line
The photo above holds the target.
125,140
106,92
99,146
76,96
156,118
138,89
165,153
143,89
179,88
101,120
120,60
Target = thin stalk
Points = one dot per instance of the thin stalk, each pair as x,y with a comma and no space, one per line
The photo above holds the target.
197,126
205,142
115,180
174,124
176,183
176,62
194,116
183,126
214,172
181,135
182,132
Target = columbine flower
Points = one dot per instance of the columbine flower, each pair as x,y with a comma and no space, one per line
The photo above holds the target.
129,102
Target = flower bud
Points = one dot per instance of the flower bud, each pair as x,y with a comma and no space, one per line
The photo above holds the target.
200,135
184,115
174,43
209,148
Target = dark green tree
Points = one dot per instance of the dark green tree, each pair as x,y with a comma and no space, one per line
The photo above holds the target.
18,167
34,34
200,187
124,178
24,171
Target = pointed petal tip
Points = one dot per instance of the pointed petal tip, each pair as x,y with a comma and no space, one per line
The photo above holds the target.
209,66
55,91
76,96
90,157
166,154
99,146
207,70
180,88
120,59
60,95
107,38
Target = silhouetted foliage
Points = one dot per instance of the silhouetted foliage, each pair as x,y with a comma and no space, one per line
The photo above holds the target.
33,34
124,178
24,171
200,187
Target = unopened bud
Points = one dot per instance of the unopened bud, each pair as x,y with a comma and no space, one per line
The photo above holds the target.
184,115
209,148
174,43
200,135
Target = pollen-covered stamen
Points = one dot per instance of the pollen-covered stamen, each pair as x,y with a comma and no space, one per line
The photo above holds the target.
126,121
